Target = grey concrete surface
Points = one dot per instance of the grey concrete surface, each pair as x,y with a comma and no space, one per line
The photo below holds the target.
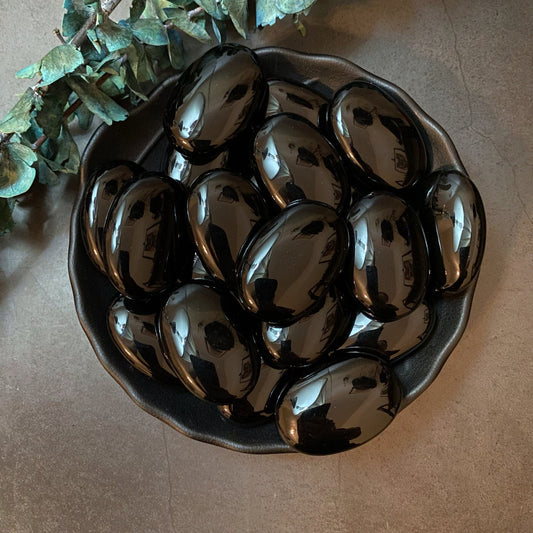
77,455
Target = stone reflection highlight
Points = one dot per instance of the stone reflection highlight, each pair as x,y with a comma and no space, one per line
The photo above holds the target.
339,407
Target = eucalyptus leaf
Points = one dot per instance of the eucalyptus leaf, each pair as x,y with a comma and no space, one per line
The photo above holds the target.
50,116
68,155
18,119
94,40
59,61
176,53
97,101
181,20
219,29
238,12
29,72
74,18
136,9
45,174
214,9
150,31
291,7
115,36
131,81
6,218
16,171
84,116
266,13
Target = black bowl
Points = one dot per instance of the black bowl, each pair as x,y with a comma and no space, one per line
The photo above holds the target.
140,138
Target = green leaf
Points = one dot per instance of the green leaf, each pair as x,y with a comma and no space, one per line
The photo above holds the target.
238,12
18,119
84,116
29,72
97,101
6,219
290,7
213,8
50,117
16,171
94,40
136,9
115,36
131,81
219,29
68,155
150,31
175,49
44,173
195,29
266,13
74,18
140,65
60,61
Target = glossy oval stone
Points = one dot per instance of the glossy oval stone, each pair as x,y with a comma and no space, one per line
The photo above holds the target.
258,406
104,186
390,259
288,266
216,99
295,162
200,331
181,169
392,339
146,249
455,225
339,407
223,208
304,341
377,135
287,97
133,329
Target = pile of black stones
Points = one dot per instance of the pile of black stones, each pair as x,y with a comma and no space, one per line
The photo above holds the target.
291,250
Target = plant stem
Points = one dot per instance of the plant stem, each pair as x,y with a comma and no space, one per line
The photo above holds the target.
108,6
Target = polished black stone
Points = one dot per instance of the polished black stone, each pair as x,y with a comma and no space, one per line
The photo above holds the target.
309,338
258,406
289,265
287,97
295,161
103,187
223,209
146,249
392,339
390,260
178,167
455,226
216,99
377,135
200,330
339,407
133,329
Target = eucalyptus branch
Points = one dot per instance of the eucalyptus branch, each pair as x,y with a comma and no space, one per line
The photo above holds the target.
108,6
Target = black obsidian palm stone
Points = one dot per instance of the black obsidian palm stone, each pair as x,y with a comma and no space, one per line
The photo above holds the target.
103,188
202,330
377,135
340,406
216,99
389,259
146,247
286,269
294,161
